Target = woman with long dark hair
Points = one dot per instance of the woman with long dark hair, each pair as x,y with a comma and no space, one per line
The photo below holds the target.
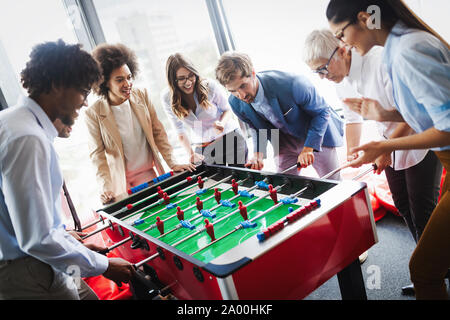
418,62
201,105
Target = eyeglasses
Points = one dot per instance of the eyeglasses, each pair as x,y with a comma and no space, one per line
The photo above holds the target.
324,70
85,92
182,80
340,33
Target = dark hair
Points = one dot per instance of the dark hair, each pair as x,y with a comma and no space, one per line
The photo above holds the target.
57,64
110,57
179,106
339,11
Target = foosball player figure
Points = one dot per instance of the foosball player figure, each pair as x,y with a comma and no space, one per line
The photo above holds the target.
180,214
234,186
199,204
210,229
217,195
166,198
243,210
160,192
200,182
273,194
160,225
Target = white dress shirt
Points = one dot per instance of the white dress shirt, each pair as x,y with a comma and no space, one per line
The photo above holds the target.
369,78
30,188
201,123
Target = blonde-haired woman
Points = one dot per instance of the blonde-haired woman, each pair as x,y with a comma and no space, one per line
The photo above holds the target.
201,105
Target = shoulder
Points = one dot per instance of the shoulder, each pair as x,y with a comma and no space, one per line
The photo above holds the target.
97,106
19,126
417,46
281,81
19,121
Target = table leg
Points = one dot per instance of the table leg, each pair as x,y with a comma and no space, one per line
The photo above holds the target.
351,282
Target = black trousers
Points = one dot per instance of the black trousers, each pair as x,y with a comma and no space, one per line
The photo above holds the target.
415,191
230,149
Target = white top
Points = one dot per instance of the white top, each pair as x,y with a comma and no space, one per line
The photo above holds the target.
201,123
369,78
30,194
137,152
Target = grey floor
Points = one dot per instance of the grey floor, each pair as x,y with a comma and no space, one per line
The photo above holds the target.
386,269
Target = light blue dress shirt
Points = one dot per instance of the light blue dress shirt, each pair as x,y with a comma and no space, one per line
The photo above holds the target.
30,188
419,67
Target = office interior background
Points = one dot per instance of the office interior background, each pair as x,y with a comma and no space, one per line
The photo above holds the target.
271,32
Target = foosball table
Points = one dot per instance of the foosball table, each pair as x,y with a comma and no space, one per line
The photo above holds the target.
231,233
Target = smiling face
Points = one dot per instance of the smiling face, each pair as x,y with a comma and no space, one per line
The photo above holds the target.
185,80
120,85
356,34
70,101
244,88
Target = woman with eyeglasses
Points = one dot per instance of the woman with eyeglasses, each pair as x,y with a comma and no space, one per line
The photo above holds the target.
125,134
413,176
418,63
201,106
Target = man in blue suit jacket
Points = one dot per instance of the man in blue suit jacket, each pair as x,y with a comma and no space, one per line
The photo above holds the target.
289,106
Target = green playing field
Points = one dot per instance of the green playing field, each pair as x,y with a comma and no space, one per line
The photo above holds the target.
202,239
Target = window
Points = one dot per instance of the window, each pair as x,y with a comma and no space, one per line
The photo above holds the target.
23,25
155,30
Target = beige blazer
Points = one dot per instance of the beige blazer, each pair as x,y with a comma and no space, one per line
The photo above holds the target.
105,143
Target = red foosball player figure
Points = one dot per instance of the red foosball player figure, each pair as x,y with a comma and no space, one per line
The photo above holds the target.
200,182
180,214
166,198
199,204
160,225
160,192
217,195
273,194
234,186
210,229
243,210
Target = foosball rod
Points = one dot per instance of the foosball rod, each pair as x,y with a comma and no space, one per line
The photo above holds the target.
199,215
297,165
279,204
160,201
153,226
226,216
153,214
124,209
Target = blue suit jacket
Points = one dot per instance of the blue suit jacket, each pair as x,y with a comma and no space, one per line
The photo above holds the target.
302,111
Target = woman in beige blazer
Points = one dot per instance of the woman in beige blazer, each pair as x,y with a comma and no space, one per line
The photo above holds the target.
125,134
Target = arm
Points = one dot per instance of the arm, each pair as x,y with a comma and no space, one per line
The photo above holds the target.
431,138
353,136
372,110
186,144
28,194
307,98
161,139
